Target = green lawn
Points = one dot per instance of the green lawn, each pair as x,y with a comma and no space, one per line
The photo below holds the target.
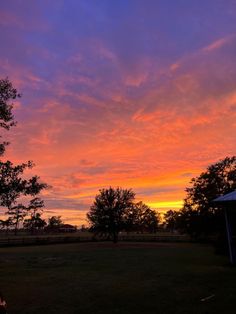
126,278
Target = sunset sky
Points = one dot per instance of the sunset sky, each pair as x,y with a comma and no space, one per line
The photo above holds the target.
133,93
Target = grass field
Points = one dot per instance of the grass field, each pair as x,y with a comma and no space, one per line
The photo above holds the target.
126,278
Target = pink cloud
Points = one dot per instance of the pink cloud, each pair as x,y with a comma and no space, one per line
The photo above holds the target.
219,43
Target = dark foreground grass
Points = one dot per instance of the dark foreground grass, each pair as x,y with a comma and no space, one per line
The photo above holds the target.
126,278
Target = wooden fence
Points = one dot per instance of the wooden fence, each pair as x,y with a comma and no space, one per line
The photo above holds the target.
155,238
45,240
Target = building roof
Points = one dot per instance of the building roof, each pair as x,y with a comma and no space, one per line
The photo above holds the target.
67,226
229,197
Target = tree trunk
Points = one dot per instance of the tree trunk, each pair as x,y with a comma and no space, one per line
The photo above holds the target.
16,226
115,237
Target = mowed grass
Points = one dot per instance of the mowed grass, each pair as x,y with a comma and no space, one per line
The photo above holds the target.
125,278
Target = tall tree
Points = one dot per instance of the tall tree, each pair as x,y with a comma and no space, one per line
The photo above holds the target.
200,214
107,214
35,223
171,217
54,223
141,218
35,209
7,94
133,217
12,184
150,220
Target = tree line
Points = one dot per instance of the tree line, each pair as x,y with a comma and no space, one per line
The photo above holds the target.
35,224
114,210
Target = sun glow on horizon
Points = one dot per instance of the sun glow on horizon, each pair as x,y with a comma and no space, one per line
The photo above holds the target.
166,205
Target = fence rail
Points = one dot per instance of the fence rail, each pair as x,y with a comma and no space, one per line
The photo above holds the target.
45,240
41,240
155,238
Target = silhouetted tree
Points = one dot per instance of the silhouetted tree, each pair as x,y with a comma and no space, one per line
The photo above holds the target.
17,214
107,214
171,220
7,94
6,224
140,218
84,228
200,216
35,222
150,220
12,185
133,218
54,223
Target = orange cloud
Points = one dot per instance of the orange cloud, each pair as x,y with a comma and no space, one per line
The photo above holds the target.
150,132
